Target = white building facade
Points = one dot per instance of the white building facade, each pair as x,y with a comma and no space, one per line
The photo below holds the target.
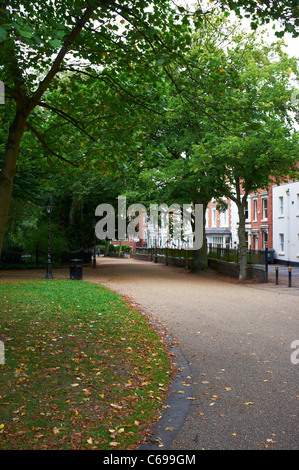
286,222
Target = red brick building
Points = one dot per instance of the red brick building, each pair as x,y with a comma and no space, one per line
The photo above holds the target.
259,224
222,226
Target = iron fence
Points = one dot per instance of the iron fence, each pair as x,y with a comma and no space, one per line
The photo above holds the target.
214,252
38,258
232,255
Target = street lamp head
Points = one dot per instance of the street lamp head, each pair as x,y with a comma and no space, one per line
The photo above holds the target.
49,206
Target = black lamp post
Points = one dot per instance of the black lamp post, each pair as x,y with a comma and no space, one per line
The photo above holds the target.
94,263
49,207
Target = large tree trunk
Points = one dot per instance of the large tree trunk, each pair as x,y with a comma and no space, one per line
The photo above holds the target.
242,244
8,170
119,248
75,210
200,258
107,246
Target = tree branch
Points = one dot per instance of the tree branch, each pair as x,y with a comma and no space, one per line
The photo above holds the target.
67,117
45,145
116,86
60,56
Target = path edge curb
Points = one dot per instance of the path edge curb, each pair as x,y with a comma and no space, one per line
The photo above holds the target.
176,405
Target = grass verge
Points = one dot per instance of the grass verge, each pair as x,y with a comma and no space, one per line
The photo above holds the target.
82,369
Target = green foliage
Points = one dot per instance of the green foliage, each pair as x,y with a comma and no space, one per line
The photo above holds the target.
126,249
139,106
88,70
40,236
263,12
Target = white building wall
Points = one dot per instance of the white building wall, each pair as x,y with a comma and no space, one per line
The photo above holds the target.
286,222
234,224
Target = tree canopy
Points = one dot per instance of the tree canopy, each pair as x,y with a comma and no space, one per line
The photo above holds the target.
84,79
263,12
101,40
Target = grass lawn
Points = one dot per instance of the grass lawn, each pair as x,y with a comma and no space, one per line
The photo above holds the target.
82,369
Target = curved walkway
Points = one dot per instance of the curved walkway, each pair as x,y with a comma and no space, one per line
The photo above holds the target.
241,391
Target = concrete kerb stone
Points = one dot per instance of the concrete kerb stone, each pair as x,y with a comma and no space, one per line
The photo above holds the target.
176,406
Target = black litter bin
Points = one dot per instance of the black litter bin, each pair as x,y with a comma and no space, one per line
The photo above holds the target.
271,252
76,268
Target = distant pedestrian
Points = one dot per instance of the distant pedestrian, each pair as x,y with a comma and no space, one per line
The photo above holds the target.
98,252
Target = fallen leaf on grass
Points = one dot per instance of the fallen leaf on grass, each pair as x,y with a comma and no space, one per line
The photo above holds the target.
118,407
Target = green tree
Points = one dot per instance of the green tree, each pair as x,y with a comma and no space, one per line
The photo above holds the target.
261,145
262,12
176,179
228,121
101,39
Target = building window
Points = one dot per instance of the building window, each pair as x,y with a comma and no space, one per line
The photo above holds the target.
281,242
218,241
255,241
265,239
255,209
224,218
281,208
265,208
214,217
246,210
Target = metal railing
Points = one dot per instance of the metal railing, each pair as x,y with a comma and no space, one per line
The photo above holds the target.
232,255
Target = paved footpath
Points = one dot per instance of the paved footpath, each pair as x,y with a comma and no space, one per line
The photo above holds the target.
238,386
